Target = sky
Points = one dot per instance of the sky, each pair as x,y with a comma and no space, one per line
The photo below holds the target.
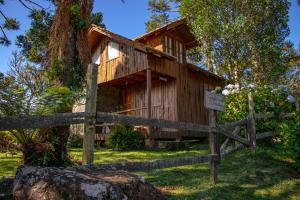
127,19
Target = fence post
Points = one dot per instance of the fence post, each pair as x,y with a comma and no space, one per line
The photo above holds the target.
213,147
90,108
251,131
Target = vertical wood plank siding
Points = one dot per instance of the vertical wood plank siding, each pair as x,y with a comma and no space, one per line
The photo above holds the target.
179,98
128,62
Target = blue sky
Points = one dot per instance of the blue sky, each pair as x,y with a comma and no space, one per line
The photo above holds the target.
127,19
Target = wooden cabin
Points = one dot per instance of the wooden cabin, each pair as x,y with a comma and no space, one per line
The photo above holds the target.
150,77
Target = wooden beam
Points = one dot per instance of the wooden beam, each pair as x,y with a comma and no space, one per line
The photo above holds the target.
132,120
60,119
251,132
230,125
148,93
213,147
266,134
235,137
150,165
90,108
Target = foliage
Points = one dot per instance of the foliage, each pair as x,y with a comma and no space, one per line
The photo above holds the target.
75,141
12,23
241,41
266,100
57,99
24,91
125,138
34,42
290,130
160,10
97,19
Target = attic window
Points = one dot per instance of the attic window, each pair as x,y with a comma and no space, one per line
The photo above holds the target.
96,57
113,50
168,45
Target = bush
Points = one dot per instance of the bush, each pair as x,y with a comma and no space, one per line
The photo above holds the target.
125,138
266,100
75,141
290,130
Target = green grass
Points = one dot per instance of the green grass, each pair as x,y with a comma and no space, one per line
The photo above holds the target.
9,164
111,156
243,175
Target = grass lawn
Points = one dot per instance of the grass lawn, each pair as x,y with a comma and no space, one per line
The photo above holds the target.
110,156
264,175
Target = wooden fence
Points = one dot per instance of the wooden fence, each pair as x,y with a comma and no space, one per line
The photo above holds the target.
213,130
90,118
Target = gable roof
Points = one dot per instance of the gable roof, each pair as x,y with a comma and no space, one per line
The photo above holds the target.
97,30
179,26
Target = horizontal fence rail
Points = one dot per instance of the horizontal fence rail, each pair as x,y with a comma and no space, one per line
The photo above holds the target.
35,121
150,165
61,119
131,120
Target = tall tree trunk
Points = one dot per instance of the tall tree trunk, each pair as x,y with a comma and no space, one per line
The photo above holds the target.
68,53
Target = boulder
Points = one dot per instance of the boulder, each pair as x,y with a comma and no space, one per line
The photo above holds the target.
36,183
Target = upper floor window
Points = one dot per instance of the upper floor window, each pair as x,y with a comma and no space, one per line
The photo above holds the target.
96,57
174,48
113,50
168,45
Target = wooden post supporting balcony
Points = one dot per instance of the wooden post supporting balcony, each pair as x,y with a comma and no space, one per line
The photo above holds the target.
149,140
148,93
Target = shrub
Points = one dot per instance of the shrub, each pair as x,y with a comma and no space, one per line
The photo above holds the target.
75,141
290,130
125,138
266,100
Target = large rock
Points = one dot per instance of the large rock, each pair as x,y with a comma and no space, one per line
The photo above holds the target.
37,183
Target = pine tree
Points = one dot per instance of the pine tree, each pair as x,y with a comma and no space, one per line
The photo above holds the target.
160,10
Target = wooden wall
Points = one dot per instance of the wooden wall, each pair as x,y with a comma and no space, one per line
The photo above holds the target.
163,65
162,99
156,42
191,86
129,61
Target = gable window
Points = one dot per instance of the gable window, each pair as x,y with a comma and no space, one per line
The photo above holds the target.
96,57
113,50
168,45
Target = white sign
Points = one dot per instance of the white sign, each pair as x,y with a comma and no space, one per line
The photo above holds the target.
214,101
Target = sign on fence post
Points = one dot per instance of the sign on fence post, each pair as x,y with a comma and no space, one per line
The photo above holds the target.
90,109
214,102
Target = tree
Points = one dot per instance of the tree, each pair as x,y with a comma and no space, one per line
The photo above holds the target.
11,23
243,41
68,55
160,10
34,43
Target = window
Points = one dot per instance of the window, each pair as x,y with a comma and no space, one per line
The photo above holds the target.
168,45
113,50
180,53
96,57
